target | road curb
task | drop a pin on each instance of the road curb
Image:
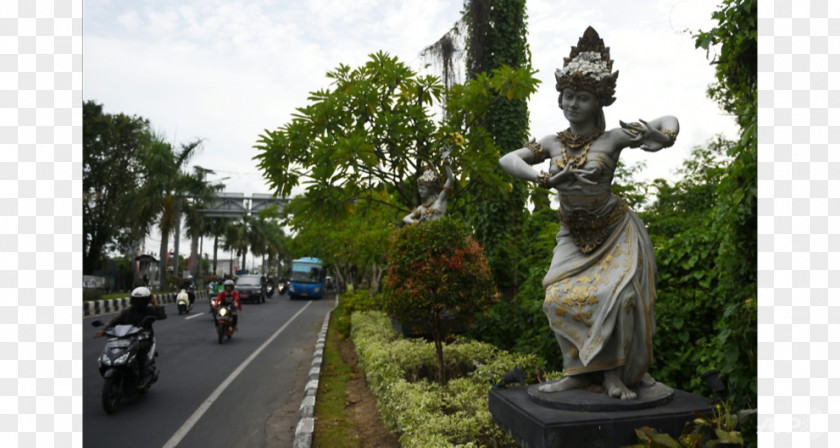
(97, 307)
(306, 424)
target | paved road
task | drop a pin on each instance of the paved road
(190, 406)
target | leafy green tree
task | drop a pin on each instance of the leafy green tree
(369, 137)
(496, 38)
(735, 221)
(354, 246)
(111, 173)
(687, 307)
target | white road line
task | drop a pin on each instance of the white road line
(185, 428)
(194, 315)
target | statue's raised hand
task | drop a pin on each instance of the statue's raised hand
(635, 131)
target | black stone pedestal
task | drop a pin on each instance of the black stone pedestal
(536, 425)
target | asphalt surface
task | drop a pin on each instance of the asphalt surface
(206, 395)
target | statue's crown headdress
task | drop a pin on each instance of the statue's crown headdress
(588, 67)
(429, 178)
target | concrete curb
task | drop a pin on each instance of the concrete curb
(97, 307)
(306, 424)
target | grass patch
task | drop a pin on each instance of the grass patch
(333, 426)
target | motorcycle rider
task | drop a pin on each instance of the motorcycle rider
(139, 308)
(188, 286)
(226, 296)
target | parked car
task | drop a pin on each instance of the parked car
(251, 289)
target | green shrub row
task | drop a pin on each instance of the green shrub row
(401, 374)
(348, 303)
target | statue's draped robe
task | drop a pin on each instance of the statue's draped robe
(600, 304)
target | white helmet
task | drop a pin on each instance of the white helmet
(140, 296)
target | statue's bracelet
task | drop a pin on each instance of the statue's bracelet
(543, 179)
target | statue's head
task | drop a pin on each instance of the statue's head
(588, 68)
(428, 183)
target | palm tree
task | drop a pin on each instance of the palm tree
(216, 228)
(258, 235)
(200, 193)
(165, 183)
(276, 249)
(236, 240)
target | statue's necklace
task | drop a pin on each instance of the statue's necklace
(573, 142)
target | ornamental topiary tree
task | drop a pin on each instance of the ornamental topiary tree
(436, 268)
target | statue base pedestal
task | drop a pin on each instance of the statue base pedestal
(582, 418)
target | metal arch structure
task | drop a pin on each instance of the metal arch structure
(237, 205)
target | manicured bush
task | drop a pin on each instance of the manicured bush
(436, 268)
(422, 412)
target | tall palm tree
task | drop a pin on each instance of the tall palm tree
(216, 228)
(200, 192)
(165, 182)
(236, 240)
(258, 235)
(276, 247)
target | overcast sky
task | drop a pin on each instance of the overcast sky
(226, 70)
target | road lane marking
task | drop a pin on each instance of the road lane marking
(194, 315)
(187, 426)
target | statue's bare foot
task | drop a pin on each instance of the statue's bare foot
(565, 383)
(615, 387)
(648, 380)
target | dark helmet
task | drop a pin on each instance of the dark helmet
(140, 297)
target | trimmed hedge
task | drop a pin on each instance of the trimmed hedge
(401, 374)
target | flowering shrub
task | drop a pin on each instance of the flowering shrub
(436, 268)
(424, 413)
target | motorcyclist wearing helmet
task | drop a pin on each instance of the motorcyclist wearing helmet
(139, 308)
(188, 286)
(227, 296)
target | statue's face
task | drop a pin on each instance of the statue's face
(424, 191)
(578, 105)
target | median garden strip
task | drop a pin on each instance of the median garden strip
(401, 373)
(346, 414)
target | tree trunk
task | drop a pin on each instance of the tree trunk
(436, 332)
(176, 262)
(215, 253)
(164, 248)
(195, 257)
(376, 278)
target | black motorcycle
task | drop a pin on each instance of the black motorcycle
(224, 322)
(119, 365)
(283, 287)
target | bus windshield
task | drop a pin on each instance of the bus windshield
(306, 273)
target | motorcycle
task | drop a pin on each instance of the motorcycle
(283, 287)
(224, 322)
(183, 301)
(118, 363)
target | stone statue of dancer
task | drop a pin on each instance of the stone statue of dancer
(434, 196)
(600, 288)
